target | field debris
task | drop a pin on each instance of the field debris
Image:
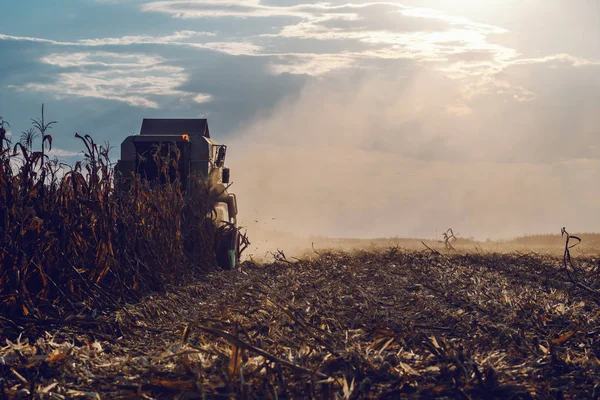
(386, 324)
(448, 238)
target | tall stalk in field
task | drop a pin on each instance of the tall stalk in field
(42, 126)
(3, 138)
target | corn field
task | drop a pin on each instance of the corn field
(70, 241)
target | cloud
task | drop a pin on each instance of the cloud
(458, 47)
(202, 98)
(360, 34)
(310, 64)
(56, 152)
(176, 37)
(101, 59)
(180, 38)
(231, 48)
(353, 37)
(233, 8)
(137, 79)
(357, 35)
(31, 39)
(556, 59)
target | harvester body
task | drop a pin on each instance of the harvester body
(199, 156)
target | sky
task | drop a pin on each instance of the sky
(343, 118)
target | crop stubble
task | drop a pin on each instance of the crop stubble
(356, 325)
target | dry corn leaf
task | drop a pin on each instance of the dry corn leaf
(234, 361)
(175, 385)
(408, 369)
(48, 388)
(563, 338)
(56, 355)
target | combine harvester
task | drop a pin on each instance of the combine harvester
(200, 156)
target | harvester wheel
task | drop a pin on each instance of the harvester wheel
(227, 239)
(227, 249)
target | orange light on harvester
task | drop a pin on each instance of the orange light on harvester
(186, 137)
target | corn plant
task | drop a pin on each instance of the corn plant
(69, 238)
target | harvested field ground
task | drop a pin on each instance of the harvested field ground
(383, 324)
(264, 242)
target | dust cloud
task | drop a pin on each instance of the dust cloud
(407, 157)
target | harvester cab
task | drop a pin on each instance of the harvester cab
(200, 156)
